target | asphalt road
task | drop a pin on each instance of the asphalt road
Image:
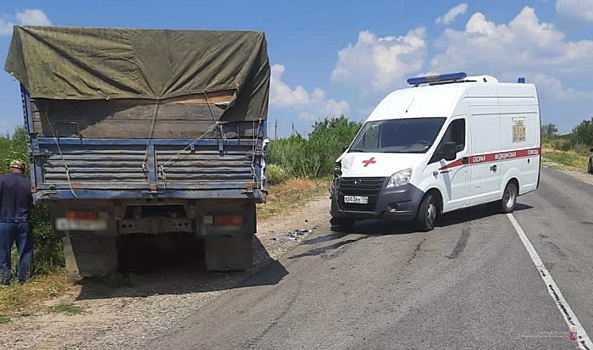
(469, 284)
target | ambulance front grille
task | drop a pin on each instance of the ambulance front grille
(364, 186)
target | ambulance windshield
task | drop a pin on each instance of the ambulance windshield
(412, 135)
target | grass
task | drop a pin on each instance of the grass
(292, 194)
(564, 160)
(32, 297)
(66, 307)
(58, 290)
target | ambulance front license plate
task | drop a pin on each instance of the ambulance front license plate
(356, 199)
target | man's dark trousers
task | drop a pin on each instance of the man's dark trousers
(20, 233)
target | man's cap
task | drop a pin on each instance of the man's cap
(18, 164)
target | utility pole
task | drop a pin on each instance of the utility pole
(276, 129)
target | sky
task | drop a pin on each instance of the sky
(335, 57)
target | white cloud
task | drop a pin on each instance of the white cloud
(452, 14)
(523, 46)
(5, 27)
(380, 63)
(28, 17)
(582, 9)
(554, 88)
(309, 106)
(32, 17)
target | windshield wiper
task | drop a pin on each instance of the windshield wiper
(357, 150)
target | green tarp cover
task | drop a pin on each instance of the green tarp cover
(67, 63)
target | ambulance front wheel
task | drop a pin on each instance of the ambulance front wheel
(341, 224)
(427, 213)
(509, 198)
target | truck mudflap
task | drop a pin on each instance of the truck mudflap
(228, 238)
(229, 252)
(90, 256)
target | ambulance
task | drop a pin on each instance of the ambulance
(445, 143)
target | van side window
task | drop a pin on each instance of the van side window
(458, 133)
(454, 133)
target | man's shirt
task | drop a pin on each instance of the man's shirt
(15, 198)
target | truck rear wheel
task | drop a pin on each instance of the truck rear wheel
(427, 213)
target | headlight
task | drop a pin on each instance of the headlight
(400, 178)
(337, 169)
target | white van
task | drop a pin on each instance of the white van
(448, 142)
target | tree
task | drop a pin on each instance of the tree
(549, 130)
(339, 128)
(583, 133)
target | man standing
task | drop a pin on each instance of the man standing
(15, 223)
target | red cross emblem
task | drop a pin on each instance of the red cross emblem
(369, 161)
(573, 334)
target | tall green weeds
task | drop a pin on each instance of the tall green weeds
(314, 156)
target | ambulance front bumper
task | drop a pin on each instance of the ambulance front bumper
(395, 203)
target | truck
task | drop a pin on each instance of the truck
(445, 143)
(145, 132)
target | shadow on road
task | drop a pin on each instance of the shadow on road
(156, 272)
(474, 213)
(372, 228)
(327, 248)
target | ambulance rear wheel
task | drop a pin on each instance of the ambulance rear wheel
(509, 198)
(427, 213)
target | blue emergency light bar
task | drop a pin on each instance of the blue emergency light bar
(443, 78)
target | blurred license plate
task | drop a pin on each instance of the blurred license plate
(66, 224)
(356, 199)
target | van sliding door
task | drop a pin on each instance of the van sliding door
(485, 135)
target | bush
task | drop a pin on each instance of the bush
(276, 174)
(49, 254)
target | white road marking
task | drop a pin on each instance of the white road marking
(571, 319)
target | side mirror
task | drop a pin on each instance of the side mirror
(591, 150)
(344, 148)
(449, 151)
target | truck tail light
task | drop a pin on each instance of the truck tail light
(87, 215)
(228, 219)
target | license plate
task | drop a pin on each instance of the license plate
(356, 199)
(66, 224)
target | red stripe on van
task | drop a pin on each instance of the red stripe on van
(495, 157)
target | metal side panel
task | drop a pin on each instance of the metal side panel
(93, 169)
